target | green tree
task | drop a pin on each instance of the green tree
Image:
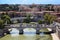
(6, 19)
(28, 19)
(1, 24)
(49, 7)
(49, 18)
(40, 21)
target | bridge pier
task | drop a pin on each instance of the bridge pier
(53, 30)
(38, 31)
(21, 31)
(6, 31)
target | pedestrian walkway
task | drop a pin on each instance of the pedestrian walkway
(54, 36)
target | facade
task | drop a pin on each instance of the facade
(36, 10)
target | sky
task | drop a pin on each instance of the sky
(29, 1)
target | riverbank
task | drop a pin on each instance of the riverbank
(54, 36)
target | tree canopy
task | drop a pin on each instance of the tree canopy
(49, 18)
(6, 18)
(1, 24)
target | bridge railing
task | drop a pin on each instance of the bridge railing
(32, 25)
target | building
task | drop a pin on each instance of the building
(36, 10)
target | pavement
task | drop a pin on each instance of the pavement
(54, 36)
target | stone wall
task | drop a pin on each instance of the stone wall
(1, 33)
(59, 34)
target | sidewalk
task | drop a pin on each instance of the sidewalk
(54, 36)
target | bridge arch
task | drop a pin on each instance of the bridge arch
(36, 27)
(29, 31)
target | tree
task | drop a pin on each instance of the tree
(40, 21)
(28, 19)
(49, 7)
(40, 7)
(52, 8)
(1, 24)
(49, 18)
(6, 19)
(58, 9)
(18, 21)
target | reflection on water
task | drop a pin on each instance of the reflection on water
(23, 37)
(14, 32)
(41, 34)
(29, 34)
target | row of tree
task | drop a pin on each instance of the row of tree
(48, 19)
(6, 7)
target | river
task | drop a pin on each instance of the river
(29, 34)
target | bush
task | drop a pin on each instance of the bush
(40, 22)
(26, 21)
(18, 20)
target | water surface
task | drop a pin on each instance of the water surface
(29, 34)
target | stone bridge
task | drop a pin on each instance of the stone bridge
(37, 27)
